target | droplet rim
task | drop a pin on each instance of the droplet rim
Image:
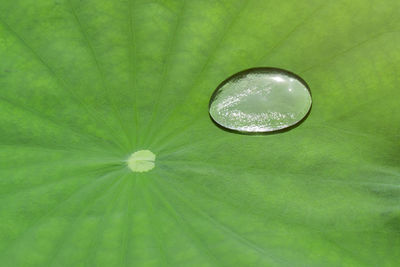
(261, 69)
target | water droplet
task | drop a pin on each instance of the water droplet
(260, 100)
(141, 161)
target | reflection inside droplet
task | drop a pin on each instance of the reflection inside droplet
(260, 100)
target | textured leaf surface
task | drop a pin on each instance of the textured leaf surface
(86, 83)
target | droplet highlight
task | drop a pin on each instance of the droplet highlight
(141, 161)
(260, 100)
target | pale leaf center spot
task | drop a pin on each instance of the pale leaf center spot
(141, 161)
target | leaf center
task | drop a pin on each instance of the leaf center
(141, 161)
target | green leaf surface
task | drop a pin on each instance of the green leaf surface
(85, 83)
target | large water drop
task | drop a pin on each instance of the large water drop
(260, 100)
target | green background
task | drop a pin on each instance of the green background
(83, 84)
